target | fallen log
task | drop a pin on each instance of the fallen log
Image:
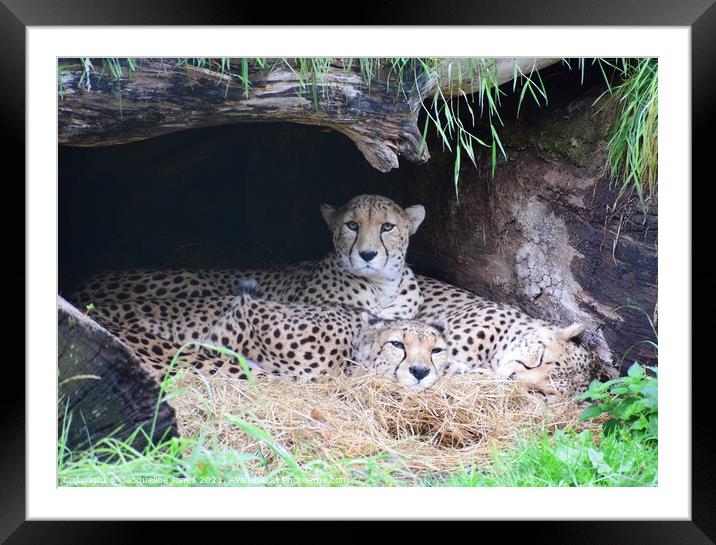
(159, 96)
(102, 388)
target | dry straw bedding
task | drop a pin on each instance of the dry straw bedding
(458, 422)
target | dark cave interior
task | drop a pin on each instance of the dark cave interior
(243, 194)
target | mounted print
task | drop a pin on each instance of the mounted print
(330, 271)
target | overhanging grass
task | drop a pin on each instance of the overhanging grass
(633, 141)
(632, 144)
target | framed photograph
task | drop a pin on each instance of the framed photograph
(380, 272)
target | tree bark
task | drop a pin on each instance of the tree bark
(545, 235)
(159, 97)
(102, 387)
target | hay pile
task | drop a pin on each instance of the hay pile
(457, 422)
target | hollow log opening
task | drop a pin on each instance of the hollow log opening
(542, 234)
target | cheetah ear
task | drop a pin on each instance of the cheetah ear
(372, 320)
(328, 211)
(416, 215)
(571, 331)
(440, 324)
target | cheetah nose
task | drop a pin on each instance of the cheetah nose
(419, 371)
(367, 256)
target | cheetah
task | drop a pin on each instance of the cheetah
(482, 334)
(366, 270)
(284, 339)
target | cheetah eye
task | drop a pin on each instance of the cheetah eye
(398, 344)
(523, 364)
(437, 350)
(353, 226)
(387, 227)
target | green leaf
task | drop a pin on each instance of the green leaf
(651, 396)
(598, 462)
(640, 424)
(171, 395)
(494, 158)
(635, 370)
(260, 435)
(245, 76)
(496, 138)
(619, 390)
(595, 387)
(594, 396)
(458, 154)
(568, 455)
(590, 412)
(627, 408)
(610, 426)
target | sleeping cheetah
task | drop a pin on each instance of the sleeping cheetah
(482, 334)
(288, 339)
(367, 269)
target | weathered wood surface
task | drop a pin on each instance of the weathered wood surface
(159, 97)
(102, 386)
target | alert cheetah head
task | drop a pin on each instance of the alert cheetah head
(370, 235)
(549, 360)
(412, 352)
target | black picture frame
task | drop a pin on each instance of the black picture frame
(16, 15)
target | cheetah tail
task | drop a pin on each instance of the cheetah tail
(248, 287)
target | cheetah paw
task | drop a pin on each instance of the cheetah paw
(457, 369)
